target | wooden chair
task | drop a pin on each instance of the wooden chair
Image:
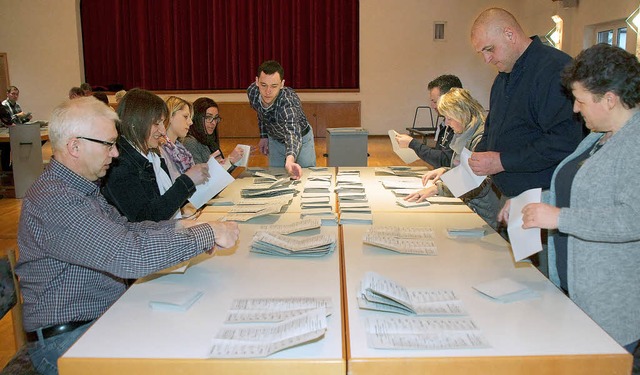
(10, 300)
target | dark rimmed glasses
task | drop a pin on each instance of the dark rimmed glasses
(109, 145)
(210, 119)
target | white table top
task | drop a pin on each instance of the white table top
(130, 329)
(550, 325)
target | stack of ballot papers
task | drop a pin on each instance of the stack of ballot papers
(247, 212)
(254, 191)
(260, 340)
(410, 204)
(416, 333)
(404, 240)
(287, 246)
(401, 171)
(298, 226)
(381, 294)
(270, 310)
(413, 183)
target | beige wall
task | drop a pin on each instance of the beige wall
(397, 54)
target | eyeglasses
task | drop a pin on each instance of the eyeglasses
(210, 119)
(110, 145)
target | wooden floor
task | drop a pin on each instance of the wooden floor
(380, 154)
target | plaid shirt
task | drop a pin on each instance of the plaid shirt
(75, 249)
(283, 120)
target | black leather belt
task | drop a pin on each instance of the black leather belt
(55, 330)
(306, 131)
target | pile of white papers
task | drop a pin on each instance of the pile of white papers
(423, 333)
(250, 341)
(270, 310)
(251, 213)
(379, 293)
(407, 204)
(298, 226)
(400, 171)
(281, 245)
(405, 240)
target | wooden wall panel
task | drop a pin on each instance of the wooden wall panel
(240, 120)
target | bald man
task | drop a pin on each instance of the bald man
(531, 126)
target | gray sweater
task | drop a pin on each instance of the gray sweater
(603, 270)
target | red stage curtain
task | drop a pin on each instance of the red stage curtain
(218, 44)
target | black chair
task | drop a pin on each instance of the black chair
(425, 122)
(20, 364)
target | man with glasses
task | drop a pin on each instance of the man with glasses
(441, 154)
(75, 248)
(285, 134)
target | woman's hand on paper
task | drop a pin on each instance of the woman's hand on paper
(422, 194)
(540, 215)
(199, 173)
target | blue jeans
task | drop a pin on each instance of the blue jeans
(45, 353)
(306, 157)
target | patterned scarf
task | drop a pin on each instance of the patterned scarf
(179, 155)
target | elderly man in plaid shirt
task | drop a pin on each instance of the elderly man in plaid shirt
(75, 248)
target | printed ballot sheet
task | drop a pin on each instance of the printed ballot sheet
(423, 333)
(524, 242)
(382, 294)
(259, 340)
(417, 241)
(269, 310)
(218, 180)
(281, 245)
(406, 154)
(461, 179)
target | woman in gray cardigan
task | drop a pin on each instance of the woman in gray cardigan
(594, 203)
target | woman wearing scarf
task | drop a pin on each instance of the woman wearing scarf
(138, 183)
(466, 117)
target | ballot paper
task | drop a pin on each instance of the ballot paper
(381, 294)
(466, 232)
(246, 149)
(461, 179)
(175, 300)
(506, 290)
(403, 232)
(402, 183)
(219, 178)
(246, 216)
(524, 242)
(414, 246)
(287, 246)
(268, 310)
(423, 333)
(406, 240)
(297, 226)
(406, 154)
(252, 340)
